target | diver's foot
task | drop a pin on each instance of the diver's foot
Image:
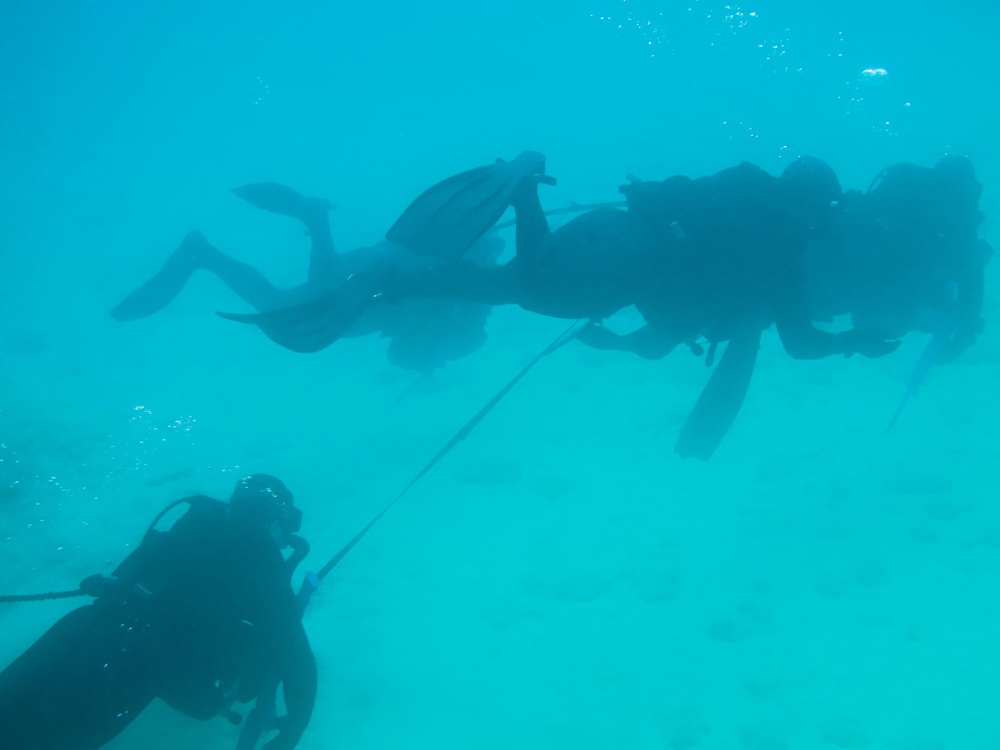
(193, 253)
(526, 190)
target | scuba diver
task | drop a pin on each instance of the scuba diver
(906, 255)
(201, 616)
(423, 334)
(716, 259)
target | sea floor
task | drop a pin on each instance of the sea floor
(560, 578)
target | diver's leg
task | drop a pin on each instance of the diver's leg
(167, 283)
(313, 212)
(323, 266)
(78, 685)
(196, 253)
(532, 228)
(244, 280)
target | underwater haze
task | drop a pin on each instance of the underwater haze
(561, 579)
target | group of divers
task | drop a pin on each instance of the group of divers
(203, 615)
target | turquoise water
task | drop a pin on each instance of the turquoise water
(561, 579)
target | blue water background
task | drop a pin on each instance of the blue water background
(561, 579)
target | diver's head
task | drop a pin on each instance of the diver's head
(959, 173)
(263, 500)
(811, 182)
(959, 188)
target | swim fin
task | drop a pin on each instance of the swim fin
(720, 400)
(282, 200)
(314, 325)
(449, 217)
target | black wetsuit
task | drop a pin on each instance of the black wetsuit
(734, 243)
(716, 257)
(907, 255)
(424, 334)
(200, 616)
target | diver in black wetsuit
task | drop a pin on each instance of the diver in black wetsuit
(716, 260)
(201, 616)
(707, 258)
(896, 259)
(423, 334)
(719, 257)
(740, 250)
(906, 255)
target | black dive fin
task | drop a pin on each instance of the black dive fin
(304, 328)
(168, 282)
(720, 400)
(449, 217)
(280, 199)
(316, 324)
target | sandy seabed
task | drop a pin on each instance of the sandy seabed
(561, 578)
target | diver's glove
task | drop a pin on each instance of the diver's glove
(867, 344)
(99, 586)
(111, 587)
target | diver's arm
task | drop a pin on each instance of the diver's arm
(801, 340)
(799, 337)
(299, 681)
(969, 322)
(647, 342)
(532, 227)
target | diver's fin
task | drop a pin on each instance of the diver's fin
(304, 328)
(720, 400)
(316, 324)
(280, 199)
(168, 282)
(450, 216)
